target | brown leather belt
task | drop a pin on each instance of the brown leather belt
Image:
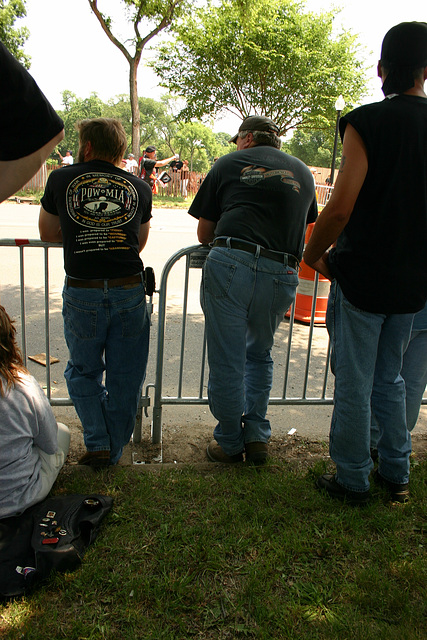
(240, 245)
(99, 284)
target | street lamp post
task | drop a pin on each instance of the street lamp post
(339, 106)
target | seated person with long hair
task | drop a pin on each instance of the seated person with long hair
(33, 446)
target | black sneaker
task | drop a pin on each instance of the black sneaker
(398, 492)
(328, 483)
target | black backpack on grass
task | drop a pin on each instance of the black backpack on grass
(53, 534)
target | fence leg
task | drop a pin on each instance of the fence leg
(156, 425)
(137, 429)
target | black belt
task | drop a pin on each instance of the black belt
(99, 284)
(240, 245)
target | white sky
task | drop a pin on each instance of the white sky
(69, 50)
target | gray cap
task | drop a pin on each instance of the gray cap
(257, 123)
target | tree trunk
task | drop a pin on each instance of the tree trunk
(134, 105)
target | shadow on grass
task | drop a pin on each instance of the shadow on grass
(236, 553)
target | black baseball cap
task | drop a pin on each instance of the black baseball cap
(404, 49)
(257, 123)
(150, 149)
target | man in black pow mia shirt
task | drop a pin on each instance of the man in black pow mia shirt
(101, 214)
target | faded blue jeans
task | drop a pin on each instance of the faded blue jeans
(106, 330)
(367, 353)
(244, 299)
(414, 373)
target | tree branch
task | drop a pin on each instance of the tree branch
(94, 6)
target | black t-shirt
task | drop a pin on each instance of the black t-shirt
(27, 120)
(147, 168)
(101, 209)
(380, 257)
(261, 195)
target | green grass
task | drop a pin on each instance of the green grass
(29, 194)
(172, 202)
(237, 553)
(159, 202)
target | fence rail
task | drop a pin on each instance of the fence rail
(194, 258)
(303, 360)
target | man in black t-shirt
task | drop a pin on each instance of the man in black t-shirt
(377, 215)
(29, 127)
(253, 208)
(148, 164)
(101, 214)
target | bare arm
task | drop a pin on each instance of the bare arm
(143, 234)
(49, 227)
(15, 173)
(205, 231)
(163, 163)
(338, 210)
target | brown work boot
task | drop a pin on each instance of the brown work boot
(256, 453)
(216, 454)
(95, 459)
(398, 492)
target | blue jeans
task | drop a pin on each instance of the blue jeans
(244, 299)
(414, 373)
(106, 330)
(367, 352)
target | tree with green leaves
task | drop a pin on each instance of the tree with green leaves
(76, 109)
(153, 115)
(158, 15)
(14, 38)
(312, 147)
(269, 58)
(196, 142)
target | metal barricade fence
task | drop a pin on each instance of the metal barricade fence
(6, 300)
(302, 356)
(194, 258)
(324, 192)
(21, 245)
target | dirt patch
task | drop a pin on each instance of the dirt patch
(187, 445)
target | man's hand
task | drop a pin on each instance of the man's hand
(322, 266)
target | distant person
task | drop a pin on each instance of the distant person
(67, 160)
(148, 164)
(29, 127)
(131, 164)
(185, 176)
(176, 164)
(102, 215)
(33, 446)
(377, 216)
(253, 208)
